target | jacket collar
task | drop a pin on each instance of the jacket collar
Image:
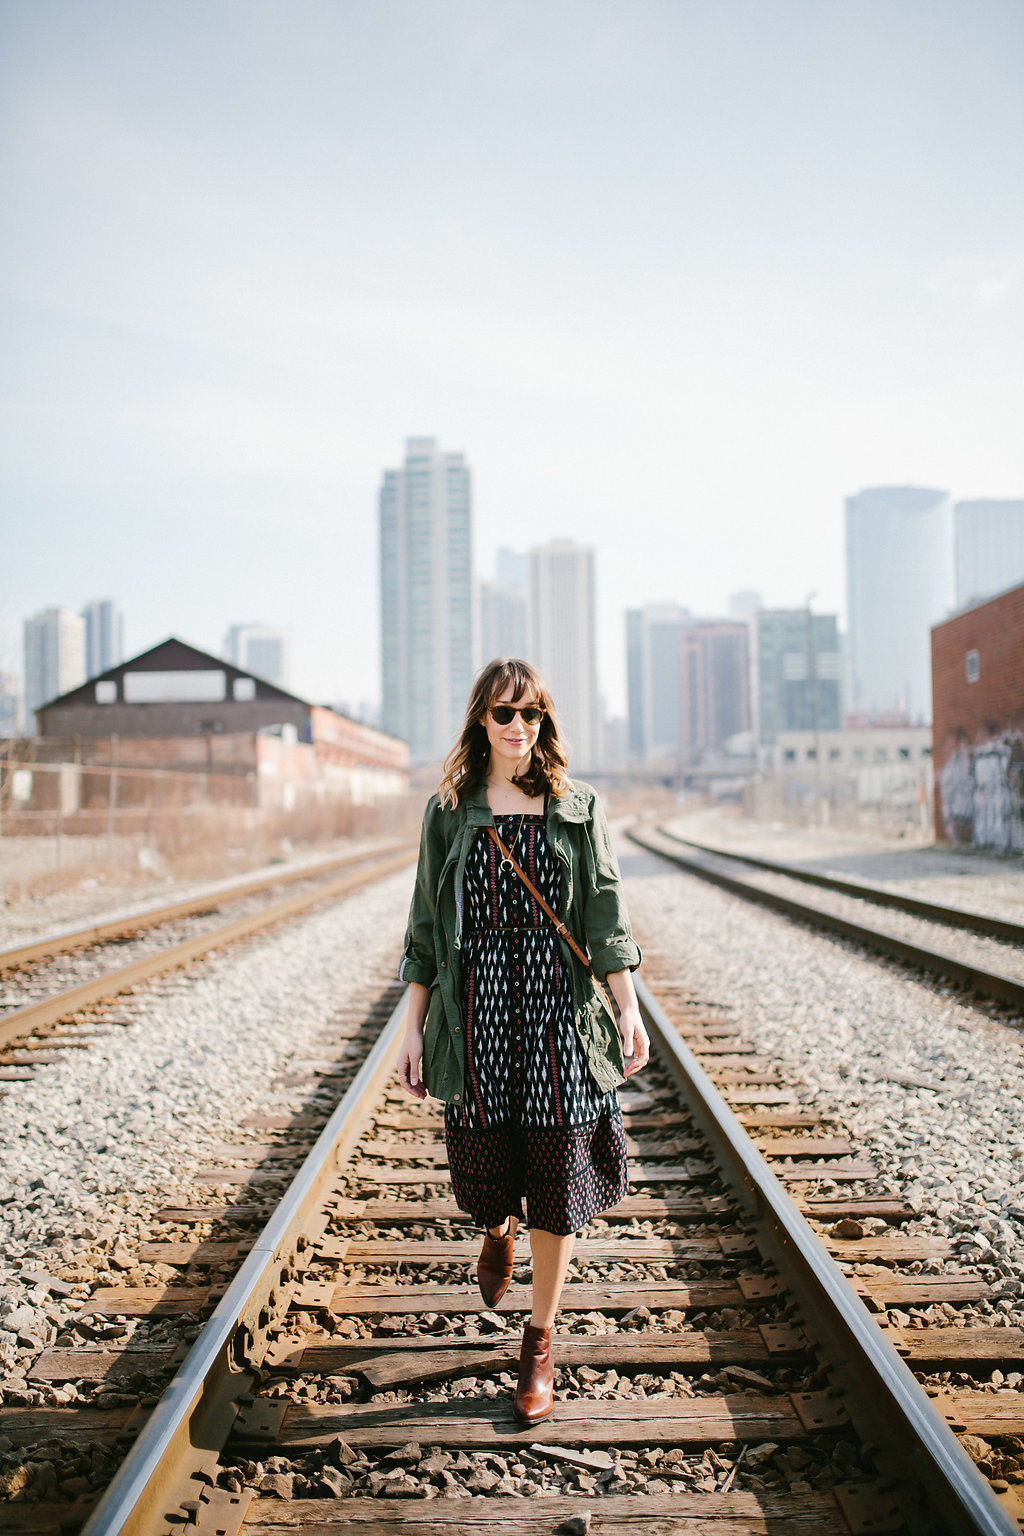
(478, 812)
(574, 805)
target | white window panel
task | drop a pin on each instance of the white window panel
(174, 687)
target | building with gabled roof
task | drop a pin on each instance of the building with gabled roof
(173, 689)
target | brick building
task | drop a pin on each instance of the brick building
(978, 730)
(180, 710)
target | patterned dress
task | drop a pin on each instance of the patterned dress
(532, 1124)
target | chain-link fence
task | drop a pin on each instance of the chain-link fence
(66, 821)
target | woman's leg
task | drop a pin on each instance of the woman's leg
(551, 1255)
(509, 1226)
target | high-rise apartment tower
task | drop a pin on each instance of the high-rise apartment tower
(426, 598)
(797, 672)
(715, 692)
(104, 636)
(54, 658)
(258, 648)
(563, 642)
(654, 637)
(989, 548)
(899, 582)
(503, 622)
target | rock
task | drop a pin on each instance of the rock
(21, 1320)
(760, 1455)
(345, 1386)
(482, 1481)
(408, 1455)
(976, 1448)
(280, 1484)
(337, 1484)
(44, 1479)
(344, 1455)
(576, 1525)
(14, 1480)
(745, 1378)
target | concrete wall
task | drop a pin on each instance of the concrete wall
(978, 691)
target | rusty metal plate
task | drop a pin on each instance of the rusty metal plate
(869, 1510)
(819, 1410)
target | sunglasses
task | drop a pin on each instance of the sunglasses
(504, 714)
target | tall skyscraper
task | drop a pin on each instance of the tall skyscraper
(426, 591)
(798, 668)
(989, 548)
(563, 642)
(654, 636)
(104, 636)
(715, 698)
(54, 658)
(503, 621)
(635, 684)
(258, 648)
(899, 582)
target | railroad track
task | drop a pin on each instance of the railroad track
(56, 979)
(990, 963)
(716, 1371)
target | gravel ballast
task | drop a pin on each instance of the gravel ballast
(928, 1085)
(976, 879)
(100, 1138)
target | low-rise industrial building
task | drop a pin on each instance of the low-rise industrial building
(180, 712)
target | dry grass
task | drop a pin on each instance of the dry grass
(197, 842)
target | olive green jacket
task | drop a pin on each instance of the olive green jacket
(590, 905)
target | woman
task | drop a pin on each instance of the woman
(504, 1023)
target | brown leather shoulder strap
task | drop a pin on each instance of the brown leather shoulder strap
(559, 925)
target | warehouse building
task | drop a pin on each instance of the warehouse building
(179, 709)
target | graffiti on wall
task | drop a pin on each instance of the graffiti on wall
(983, 794)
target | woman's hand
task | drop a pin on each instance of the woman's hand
(410, 1063)
(636, 1046)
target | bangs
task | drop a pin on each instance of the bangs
(520, 678)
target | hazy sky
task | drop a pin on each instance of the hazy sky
(676, 275)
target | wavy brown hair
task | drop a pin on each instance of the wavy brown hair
(466, 764)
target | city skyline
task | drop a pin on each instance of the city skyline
(982, 537)
(689, 277)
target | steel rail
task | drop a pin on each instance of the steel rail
(991, 983)
(953, 917)
(938, 1487)
(33, 1016)
(173, 1461)
(152, 917)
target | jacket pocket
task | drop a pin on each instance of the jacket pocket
(602, 1044)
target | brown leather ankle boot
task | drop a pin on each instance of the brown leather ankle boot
(494, 1266)
(535, 1394)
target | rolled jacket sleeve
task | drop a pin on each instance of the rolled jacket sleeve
(419, 959)
(609, 938)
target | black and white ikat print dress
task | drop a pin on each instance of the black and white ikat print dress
(533, 1126)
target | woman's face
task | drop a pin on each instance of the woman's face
(511, 744)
